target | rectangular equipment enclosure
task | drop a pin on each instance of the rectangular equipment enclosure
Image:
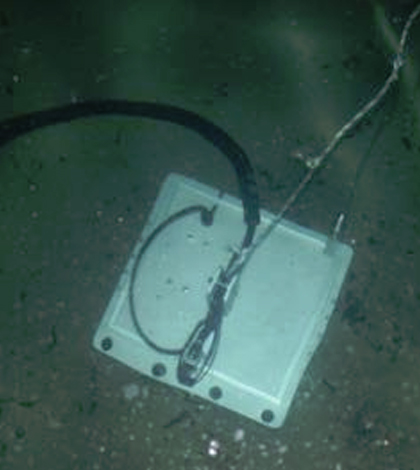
(284, 299)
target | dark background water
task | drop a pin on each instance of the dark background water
(281, 78)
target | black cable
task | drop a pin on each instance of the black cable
(206, 218)
(194, 361)
(16, 126)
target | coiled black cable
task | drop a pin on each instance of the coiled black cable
(134, 283)
(194, 361)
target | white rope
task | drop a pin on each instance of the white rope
(314, 163)
(397, 64)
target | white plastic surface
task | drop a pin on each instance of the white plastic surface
(286, 295)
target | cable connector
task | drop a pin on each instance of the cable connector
(398, 62)
(225, 286)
